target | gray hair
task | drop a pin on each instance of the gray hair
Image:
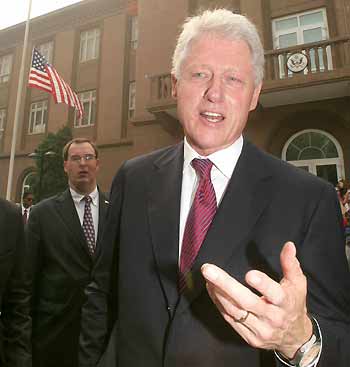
(226, 24)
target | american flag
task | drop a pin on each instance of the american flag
(43, 76)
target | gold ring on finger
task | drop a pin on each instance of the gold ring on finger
(244, 317)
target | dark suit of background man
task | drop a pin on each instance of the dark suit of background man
(62, 233)
(27, 203)
(15, 321)
(265, 296)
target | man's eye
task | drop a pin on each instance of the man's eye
(199, 75)
(233, 79)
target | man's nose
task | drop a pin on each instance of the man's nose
(215, 90)
(82, 161)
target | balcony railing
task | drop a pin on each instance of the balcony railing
(323, 56)
(326, 61)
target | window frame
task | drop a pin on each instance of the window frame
(312, 164)
(5, 67)
(3, 116)
(47, 54)
(86, 36)
(134, 32)
(34, 129)
(299, 29)
(88, 111)
(132, 99)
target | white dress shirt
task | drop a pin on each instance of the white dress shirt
(27, 209)
(79, 203)
(224, 162)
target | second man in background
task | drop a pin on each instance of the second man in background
(62, 235)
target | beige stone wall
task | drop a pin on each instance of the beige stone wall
(159, 21)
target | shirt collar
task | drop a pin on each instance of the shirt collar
(225, 160)
(77, 198)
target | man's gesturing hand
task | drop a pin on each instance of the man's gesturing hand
(278, 318)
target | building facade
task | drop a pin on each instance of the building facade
(116, 55)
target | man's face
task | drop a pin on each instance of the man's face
(215, 92)
(28, 201)
(81, 170)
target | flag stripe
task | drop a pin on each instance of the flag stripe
(55, 85)
(39, 86)
(63, 94)
(40, 81)
(68, 92)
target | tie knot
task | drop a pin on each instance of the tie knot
(202, 167)
(87, 199)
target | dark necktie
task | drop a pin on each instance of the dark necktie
(25, 216)
(198, 221)
(88, 225)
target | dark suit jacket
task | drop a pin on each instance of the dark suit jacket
(61, 268)
(267, 202)
(15, 321)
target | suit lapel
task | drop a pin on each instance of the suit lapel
(164, 212)
(246, 196)
(66, 209)
(102, 211)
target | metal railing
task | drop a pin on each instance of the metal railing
(323, 56)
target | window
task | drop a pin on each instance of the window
(132, 99)
(88, 100)
(5, 68)
(311, 145)
(303, 28)
(38, 117)
(134, 32)
(28, 183)
(317, 152)
(2, 121)
(46, 49)
(89, 44)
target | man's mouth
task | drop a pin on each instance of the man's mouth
(212, 116)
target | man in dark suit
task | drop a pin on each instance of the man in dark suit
(217, 199)
(62, 234)
(27, 203)
(15, 321)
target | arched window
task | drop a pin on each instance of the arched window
(27, 183)
(317, 152)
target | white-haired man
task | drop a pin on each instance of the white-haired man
(217, 199)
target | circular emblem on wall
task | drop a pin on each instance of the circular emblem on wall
(297, 62)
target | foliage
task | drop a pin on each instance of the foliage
(50, 166)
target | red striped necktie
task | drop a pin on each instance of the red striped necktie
(198, 221)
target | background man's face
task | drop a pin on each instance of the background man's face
(28, 201)
(81, 173)
(215, 92)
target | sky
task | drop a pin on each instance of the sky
(16, 11)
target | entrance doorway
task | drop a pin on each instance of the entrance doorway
(316, 152)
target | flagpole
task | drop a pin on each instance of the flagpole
(18, 105)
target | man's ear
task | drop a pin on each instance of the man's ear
(64, 166)
(173, 86)
(255, 97)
